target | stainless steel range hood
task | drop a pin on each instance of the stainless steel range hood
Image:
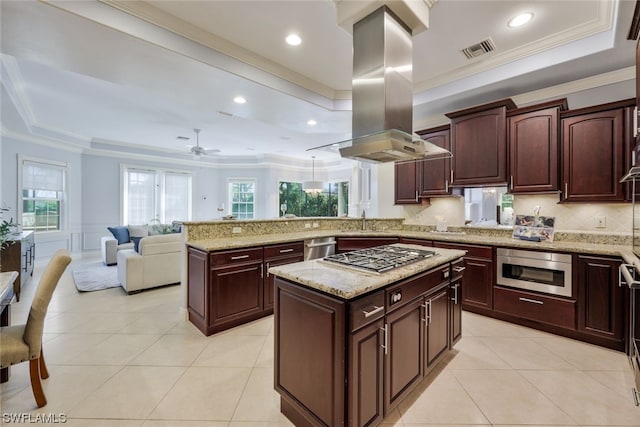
(382, 93)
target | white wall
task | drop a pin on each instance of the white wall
(46, 242)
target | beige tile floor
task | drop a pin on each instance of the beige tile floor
(119, 360)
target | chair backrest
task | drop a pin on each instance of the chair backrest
(48, 282)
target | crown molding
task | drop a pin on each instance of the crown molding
(12, 81)
(34, 139)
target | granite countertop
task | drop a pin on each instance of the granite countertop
(466, 238)
(349, 284)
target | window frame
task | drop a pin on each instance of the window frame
(328, 182)
(64, 198)
(230, 182)
(159, 174)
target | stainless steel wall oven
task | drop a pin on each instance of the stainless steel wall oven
(545, 272)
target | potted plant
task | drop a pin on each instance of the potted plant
(7, 228)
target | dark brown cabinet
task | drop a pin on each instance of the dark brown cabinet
(415, 180)
(388, 339)
(346, 244)
(533, 136)
(601, 302)
(275, 255)
(547, 309)
(436, 325)
(236, 287)
(231, 287)
(479, 277)
(407, 177)
(19, 256)
(593, 153)
(455, 294)
(479, 145)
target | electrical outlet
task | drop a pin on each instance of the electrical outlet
(236, 230)
(307, 225)
(601, 221)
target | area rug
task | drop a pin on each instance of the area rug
(95, 277)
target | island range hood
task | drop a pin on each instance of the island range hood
(382, 93)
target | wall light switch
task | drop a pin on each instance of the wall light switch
(601, 221)
(316, 225)
(236, 230)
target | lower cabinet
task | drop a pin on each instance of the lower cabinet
(381, 345)
(601, 302)
(477, 291)
(346, 244)
(231, 287)
(19, 255)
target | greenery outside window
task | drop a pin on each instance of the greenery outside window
(43, 194)
(332, 201)
(242, 199)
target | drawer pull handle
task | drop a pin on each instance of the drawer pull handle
(635, 396)
(240, 257)
(375, 310)
(534, 301)
(459, 269)
(284, 251)
(384, 338)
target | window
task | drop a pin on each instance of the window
(332, 201)
(242, 199)
(43, 195)
(155, 195)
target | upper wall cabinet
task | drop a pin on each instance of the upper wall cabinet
(427, 178)
(479, 145)
(534, 160)
(595, 151)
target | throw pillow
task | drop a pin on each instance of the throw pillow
(138, 231)
(136, 243)
(120, 233)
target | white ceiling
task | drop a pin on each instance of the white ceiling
(135, 75)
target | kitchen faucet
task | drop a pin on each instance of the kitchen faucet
(364, 217)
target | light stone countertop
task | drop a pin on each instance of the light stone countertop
(583, 247)
(348, 284)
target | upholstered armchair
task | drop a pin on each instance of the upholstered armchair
(24, 342)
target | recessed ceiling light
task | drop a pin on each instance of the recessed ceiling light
(239, 100)
(312, 122)
(293, 39)
(521, 19)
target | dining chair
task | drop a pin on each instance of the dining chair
(20, 343)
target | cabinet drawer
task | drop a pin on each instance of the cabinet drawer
(285, 249)
(235, 256)
(457, 269)
(366, 310)
(545, 309)
(472, 250)
(409, 289)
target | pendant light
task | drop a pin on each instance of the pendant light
(313, 186)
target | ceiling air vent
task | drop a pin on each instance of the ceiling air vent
(485, 46)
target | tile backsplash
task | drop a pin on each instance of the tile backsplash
(569, 216)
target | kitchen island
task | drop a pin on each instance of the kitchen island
(349, 346)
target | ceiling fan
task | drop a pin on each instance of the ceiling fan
(197, 150)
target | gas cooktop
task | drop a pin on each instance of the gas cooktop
(379, 259)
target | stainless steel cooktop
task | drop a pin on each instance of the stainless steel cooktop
(379, 259)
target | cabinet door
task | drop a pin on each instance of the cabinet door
(404, 352)
(406, 183)
(455, 294)
(434, 175)
(479, 147)
(437, 326)
(593, 157)
(601, 301)
(366, 370)
(533, 148)
(477, 289)
(269, 278)
(197, 289)
(236, 293)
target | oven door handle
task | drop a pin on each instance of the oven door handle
(623, 272)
